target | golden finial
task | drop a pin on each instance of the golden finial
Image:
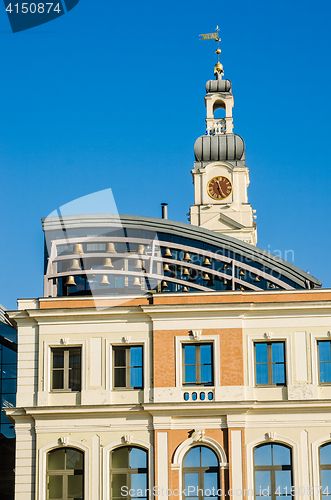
(218, 68)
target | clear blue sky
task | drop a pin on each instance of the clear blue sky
(111, 95)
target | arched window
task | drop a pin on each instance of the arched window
(201, 473)
(65, 474)
(325, 470)
(272, 472)
(128, 471)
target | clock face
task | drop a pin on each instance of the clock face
(219, 188)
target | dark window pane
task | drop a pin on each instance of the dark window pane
(277, 349)
(58, 358)
(192, 458)
(261, 353)
(325, 454)
(120, 458)
(208, 457)
(117, 481)
(74, 370)
(137, 458)
(9, 371)
(9, 385)
(74, 459)
(8, 430)
(136, 354)
(190, 375)
(261, 374)
(205, 354)
(8, 356)
(278, 373)
(324, 351)
(75, 487)
(281, 455)
(206, 374)
(136, 375)
(56, 460)
(8, 400)
(57, 379)
(120, 356)
(262, 455)
(120, 377)
(189, 354)
(54, 487)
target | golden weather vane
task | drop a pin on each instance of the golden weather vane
(214, 36)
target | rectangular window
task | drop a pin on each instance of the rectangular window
(128, 367)
(270, 363)
(324, 361)
(198, 364)
(66, 369)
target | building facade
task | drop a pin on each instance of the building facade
(174, 360)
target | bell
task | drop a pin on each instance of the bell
(167, 253)
(78, 248)
(141, 249)
(241, 273)
(139, 265)
(187, 257)
(70, 281)
(185, 289)
(242, 288)
(110, 248)
(206, 277)
(225, 267)
(107, 263)
(164, 284)
(75, 265)
(225, 282)
(186, 272)
(166, 268)
(256, 279)
(271, 285)
(206, 262)
(104, 281)
(136, 282)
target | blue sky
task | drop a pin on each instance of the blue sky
(111, 95)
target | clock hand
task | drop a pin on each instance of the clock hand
(219, 187)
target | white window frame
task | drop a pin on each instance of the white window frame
(110, 343)
(42, 469)
(315, 446)
(47, 348)
(204, 339)
(275, 337)
(314, 338)
(106, 463)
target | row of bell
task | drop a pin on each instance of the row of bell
(110, 248)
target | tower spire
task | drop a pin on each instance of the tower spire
(218, 68)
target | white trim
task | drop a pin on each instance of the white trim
(109, 360)
(42, 466)
(96, 467)
(315, 445)
(314, 337)
(276, 337)
(106, 463)
(236, 463)
(47, 346)
(187, 339)
(279, 440)
(185, 446)
(162, 462)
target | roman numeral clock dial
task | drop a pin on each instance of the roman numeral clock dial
(219, 188)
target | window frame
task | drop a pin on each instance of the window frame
(269, 343)
(66, 472)
(273, 468)
(66, 368)
(319, 362)
(322, 467)
(201, 471)
(197, 365)
(128, 366)
(127, 471)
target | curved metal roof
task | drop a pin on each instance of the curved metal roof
(232, 263)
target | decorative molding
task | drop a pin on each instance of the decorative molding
(270, 436)
(127, 439)
(328, 334)
(126, 340)
(63, 441)
(64, 341)
(196, 334)
(267, 335)
(198, 436)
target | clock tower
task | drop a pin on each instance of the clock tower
(220, 175)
